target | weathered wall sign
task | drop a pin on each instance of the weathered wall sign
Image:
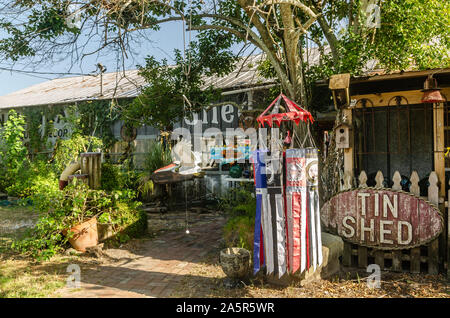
(381, 218)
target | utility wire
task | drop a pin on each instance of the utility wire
(42, 73)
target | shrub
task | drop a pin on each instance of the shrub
(35, 177)
(126, 223)
(158, 156)
(12, 150)
(110, 177)
(61, 210)
(239, 232)
(240, 206)
(67, 150)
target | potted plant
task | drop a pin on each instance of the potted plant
(83, 235)
(82, 207)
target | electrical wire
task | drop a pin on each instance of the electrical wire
(42, 73)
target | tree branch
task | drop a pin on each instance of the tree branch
(295, 3)
(258, 42)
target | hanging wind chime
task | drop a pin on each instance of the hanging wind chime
(287, 225)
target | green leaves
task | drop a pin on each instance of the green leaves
(61, 210)
(67, 150)
(161, 103)
(12, 150)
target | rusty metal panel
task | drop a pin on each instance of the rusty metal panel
(382, 219)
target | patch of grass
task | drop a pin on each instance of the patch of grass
(12, 224)
(18, 213)
(20, 279)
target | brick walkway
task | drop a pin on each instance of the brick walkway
(156, 268)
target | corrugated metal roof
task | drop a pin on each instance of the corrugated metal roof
(129, 84)
(119, 85)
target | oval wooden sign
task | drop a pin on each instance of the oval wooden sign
(382, 219)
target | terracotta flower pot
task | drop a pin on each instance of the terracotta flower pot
(85, 235)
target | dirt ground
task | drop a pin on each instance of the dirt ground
(349, 283)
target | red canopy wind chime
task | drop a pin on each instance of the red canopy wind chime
(295, 113)
(287, 225)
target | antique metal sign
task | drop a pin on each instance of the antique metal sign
(381, 218)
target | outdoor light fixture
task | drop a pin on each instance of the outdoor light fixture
(431, 92)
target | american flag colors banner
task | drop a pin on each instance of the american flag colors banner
(287, 225)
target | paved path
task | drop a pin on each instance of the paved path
(156, 269)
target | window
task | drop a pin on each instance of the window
(394, 138)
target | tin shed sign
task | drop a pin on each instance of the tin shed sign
(382, 219)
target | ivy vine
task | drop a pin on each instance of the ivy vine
(88, 118)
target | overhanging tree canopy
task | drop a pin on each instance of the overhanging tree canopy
(411, 32)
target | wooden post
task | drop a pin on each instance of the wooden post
(362, 256)
(415, 252)
(379, 178)
(348, 181)
(397, 178)
(433, 247)
(397, 260)
(379, 258)
(448, 237)
(91, 165)
(348, 173)
(397, 254)
(439, 167)
(348, 153)
(362, 179)
(439, 160)
(347, 254)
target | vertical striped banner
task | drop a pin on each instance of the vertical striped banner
(287, 227)
(276, 211)
(259, 168)
(312, 181)
(296, 206)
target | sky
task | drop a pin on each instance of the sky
(168, 38)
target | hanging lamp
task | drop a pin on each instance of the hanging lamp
(431, 91)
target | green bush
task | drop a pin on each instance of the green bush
(12, 150)
(239, 232)
(157, 157)
(118, 176)
(110, 179)
(68, 150)
(61, 210)
(240, 207)
(35, 177)
(129, 223)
